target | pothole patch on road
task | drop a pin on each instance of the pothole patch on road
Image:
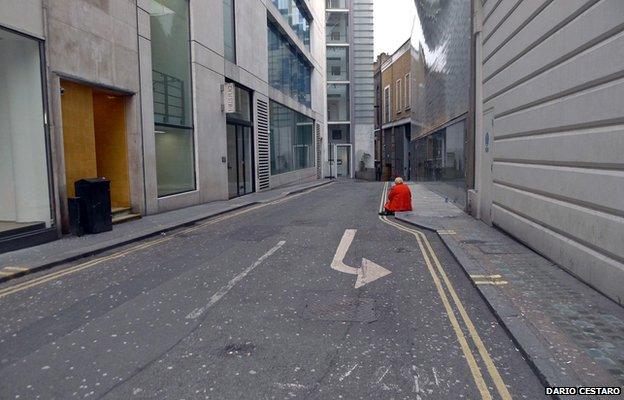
(336, 306)
(237, 350)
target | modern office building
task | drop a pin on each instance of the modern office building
(350, 92)
(176, 102)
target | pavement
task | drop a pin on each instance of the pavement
(25, 261)
(246, 305)
(571, 334)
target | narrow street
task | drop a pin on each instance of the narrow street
(246, 306)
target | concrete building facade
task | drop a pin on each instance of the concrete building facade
(176, 102)
(549, 136)
(350, 91)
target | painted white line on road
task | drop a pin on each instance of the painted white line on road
(225, 289)
(497, 283)
(20, 269)
(337, 263)
(486, 276)
(346, 374)
(367, 273)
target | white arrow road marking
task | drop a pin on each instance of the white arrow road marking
(196, 313)
(367, 273)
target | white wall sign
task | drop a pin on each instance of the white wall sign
(229, 98)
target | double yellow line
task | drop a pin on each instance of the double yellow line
(443, 286)
(89, 264)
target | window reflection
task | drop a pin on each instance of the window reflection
(292, 145)
(338, 102)
(24, 190)
(337, 63)
(288, 72)
(336, 4)
(171, 58)
(337, 27)
(229, 32)
(297, 18)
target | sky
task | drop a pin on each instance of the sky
(393, 24)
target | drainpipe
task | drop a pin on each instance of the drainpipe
(476, 100)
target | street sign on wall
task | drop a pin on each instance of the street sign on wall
(229, 98)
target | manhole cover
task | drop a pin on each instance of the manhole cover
(333, 307)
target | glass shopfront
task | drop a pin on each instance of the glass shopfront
(439, 160)
(292, 140)
(24, 175)
(173, 109)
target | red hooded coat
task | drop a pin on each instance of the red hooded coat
(399, 198)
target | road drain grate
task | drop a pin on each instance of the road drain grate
(330, 307)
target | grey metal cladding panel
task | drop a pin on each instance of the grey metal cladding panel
(446, 28)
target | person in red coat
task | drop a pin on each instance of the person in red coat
(399, 198)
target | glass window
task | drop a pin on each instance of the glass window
(342, 4)
(337, 27)
(398, 97)
(175, 167)
(229, 31)
(288, 72)
(243, 104)
(439, 157)
(292, 140)
(297, 18)
(386, 104)
(24, 190)
(337, 63)
(408, 91)
(171, 57)
(338, 102)
(339, 133)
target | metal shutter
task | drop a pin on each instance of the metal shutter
(263, 145)
(319, 168)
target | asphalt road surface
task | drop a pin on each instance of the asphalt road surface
(246, 306)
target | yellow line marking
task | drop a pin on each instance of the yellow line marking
(20, 269)
(493, 371)
(76, 268)
(491, 367)
(383, 197)
(461, 338)
(496, 377)
(486, 276)
(3, 273)
(491, 282)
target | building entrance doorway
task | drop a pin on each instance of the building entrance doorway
(94, 139)
(343, 160)
(240, 160)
